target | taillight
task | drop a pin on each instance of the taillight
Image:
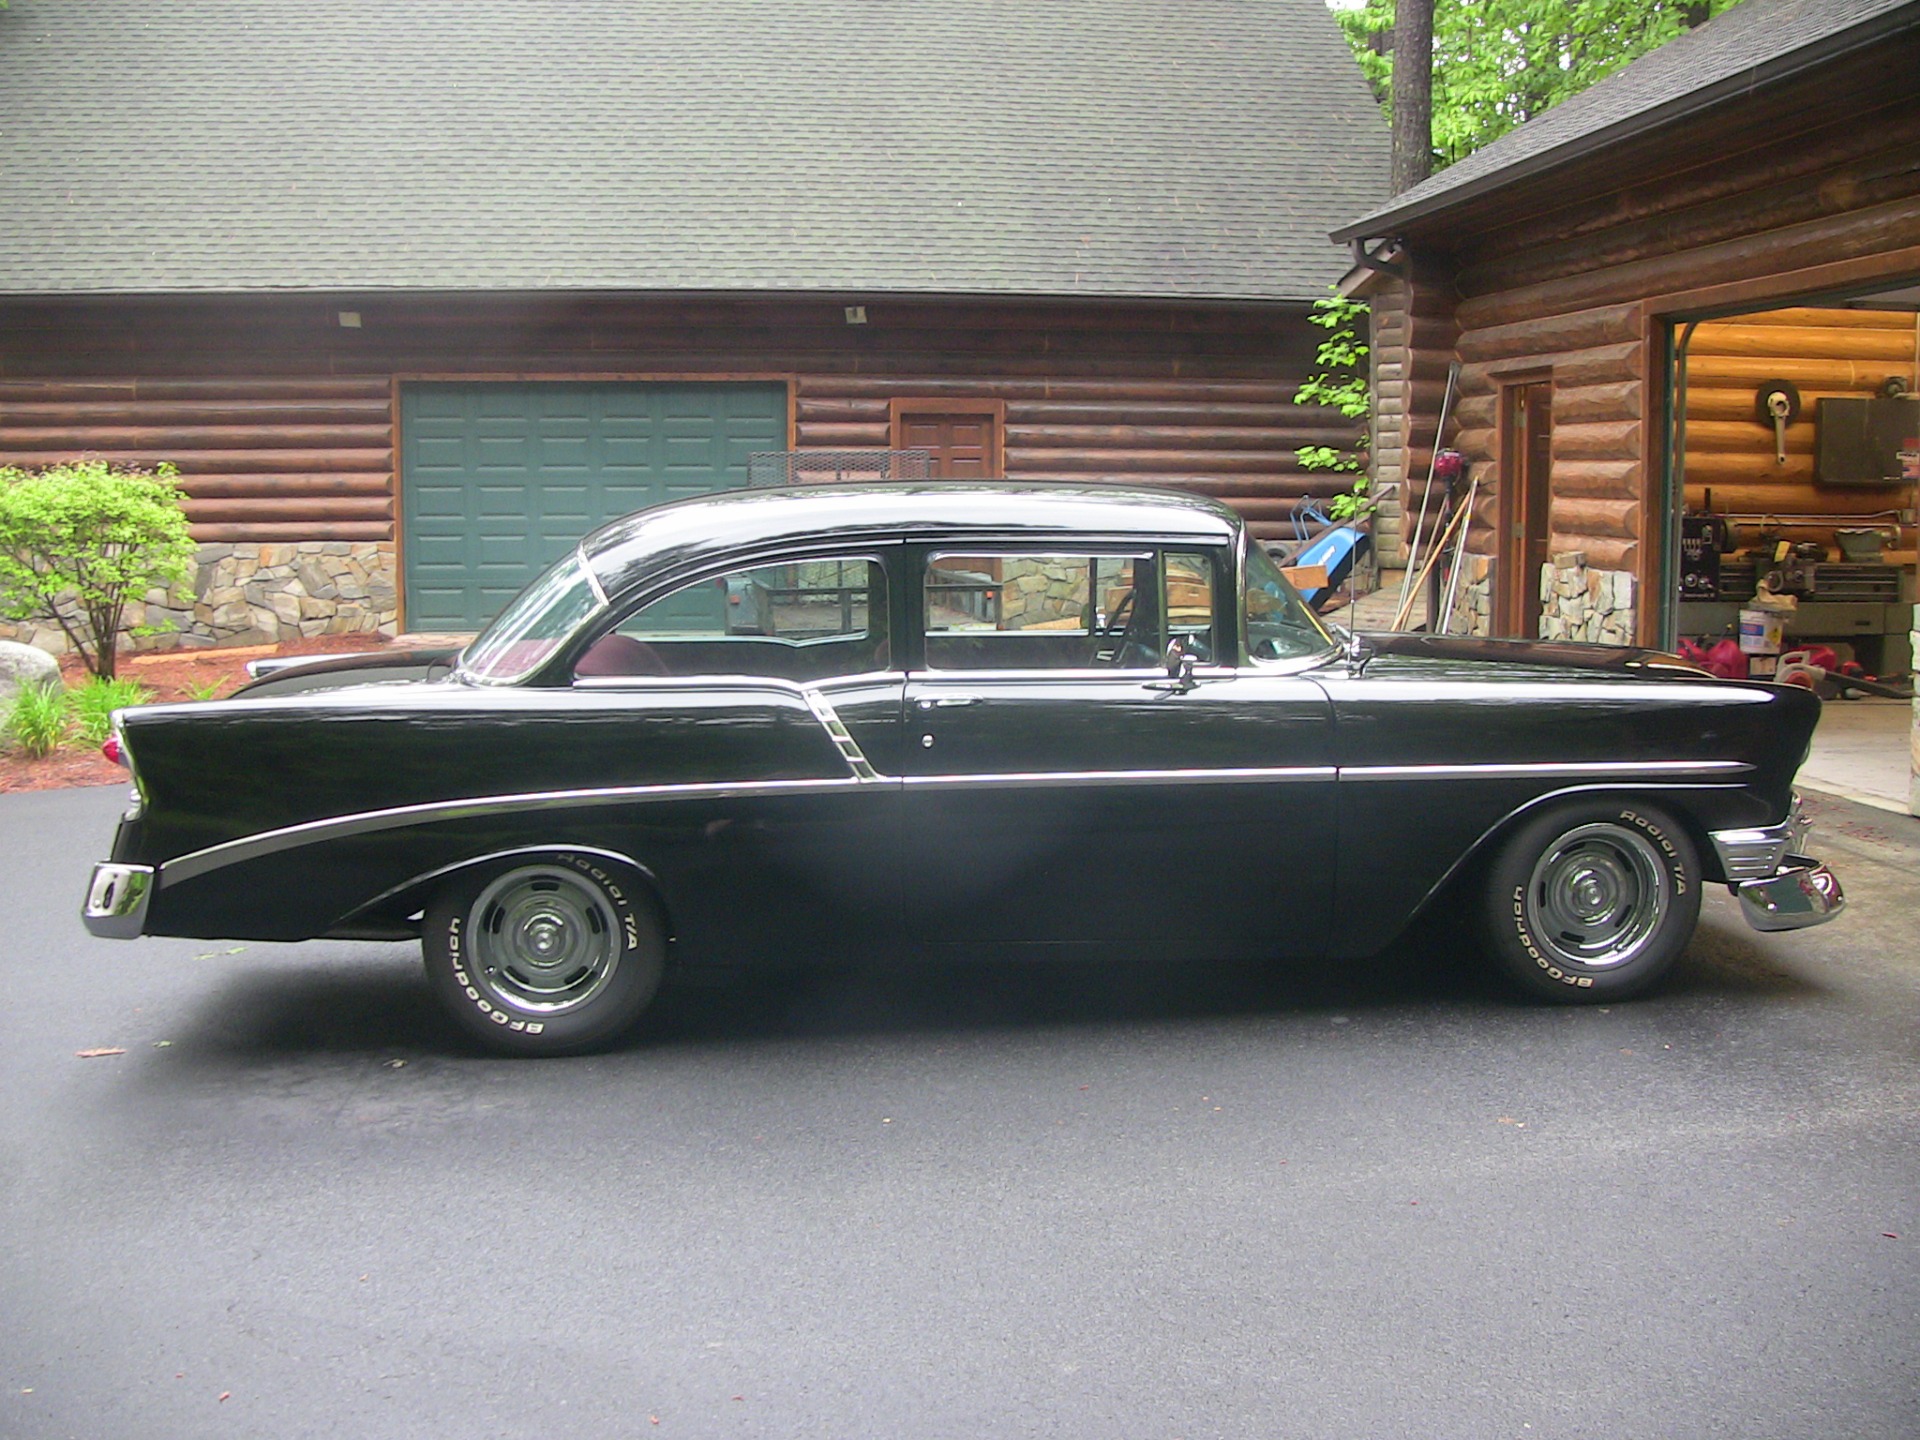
(111, 749)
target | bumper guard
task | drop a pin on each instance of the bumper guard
(117, 899)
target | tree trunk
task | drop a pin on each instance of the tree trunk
(1412, 93)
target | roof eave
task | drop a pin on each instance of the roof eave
(837, 294)
(1393, 221)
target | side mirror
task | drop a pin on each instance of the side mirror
(1179, 666)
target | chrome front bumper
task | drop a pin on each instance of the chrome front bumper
(116, 907)
(1779, 888)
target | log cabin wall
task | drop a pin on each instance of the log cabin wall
(1411, 342)
(260, 459)
(1573, 277)
(1731, 455)
(282, 420)
(1230, 439)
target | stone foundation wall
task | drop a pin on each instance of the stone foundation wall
(259, 595)
(1041, 592)
(1578, 603)
(1473, 599)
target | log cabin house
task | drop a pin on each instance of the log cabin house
(415, 294)
(1624, 282)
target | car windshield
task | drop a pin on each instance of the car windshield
(540, 619)
(1279, 624)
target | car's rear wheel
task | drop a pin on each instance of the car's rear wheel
(1592, 901)
(546, 956)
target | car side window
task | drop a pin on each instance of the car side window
(798, 620)
(1189, 578)
(1280, 626)
(1012, 611)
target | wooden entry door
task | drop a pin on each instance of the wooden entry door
(1526, 469)
(965, 436)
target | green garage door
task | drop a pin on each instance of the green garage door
(499, 480)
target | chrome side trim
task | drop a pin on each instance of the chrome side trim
(1044, 675)
(721, 682)
(1804, 893)
(117, 899)
(842, 738)
(1018, 780)
(342, 827)
(1625, 769)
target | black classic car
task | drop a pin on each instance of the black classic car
(952, 718)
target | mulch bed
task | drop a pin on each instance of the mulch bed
(171, 675)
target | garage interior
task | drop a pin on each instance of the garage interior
(1798, 450)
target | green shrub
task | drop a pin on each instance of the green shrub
(206, 690)
(38, 719)
(77, 542)
(93, 704)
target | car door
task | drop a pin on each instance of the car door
(773, 690)
(1062, 789)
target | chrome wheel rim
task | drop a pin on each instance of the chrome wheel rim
(1597, 896)
(542, 941)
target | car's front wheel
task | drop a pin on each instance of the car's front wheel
(545, 956)
(1592, 901)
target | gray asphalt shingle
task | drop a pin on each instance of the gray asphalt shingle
(1072, 147)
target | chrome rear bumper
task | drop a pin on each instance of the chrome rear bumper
(116, 907)
(1803, 893)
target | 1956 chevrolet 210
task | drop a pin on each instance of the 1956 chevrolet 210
(952, 717)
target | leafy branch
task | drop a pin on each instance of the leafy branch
(1340, 383)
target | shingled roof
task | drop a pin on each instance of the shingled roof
(1202, 148)
(1749, 45)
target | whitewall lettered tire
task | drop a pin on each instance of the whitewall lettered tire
(545, 955)
(1592, 900)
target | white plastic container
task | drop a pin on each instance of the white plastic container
(1762, 632)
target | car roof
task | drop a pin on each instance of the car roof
(686, 532)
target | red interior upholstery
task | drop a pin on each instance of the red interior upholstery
(618, 654)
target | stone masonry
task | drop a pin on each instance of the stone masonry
(1578, 603)
(259, 595)
(1473, 602)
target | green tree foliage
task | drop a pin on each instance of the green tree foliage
(77, 542)
(1498, 63)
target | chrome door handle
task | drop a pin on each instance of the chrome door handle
(947, 702)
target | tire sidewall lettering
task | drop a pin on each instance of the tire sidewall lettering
(1531, 960)
(461, 988)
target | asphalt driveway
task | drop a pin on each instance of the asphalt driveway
(1060, 1201)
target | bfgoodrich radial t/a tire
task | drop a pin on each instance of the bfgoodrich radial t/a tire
(1592, 900)
(549, 955)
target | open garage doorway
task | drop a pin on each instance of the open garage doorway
(1796, 452)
